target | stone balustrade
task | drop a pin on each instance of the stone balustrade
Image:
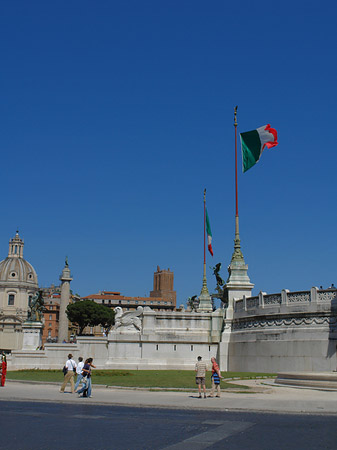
(285, 299)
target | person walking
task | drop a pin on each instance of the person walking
(70, 366)
(79, 372)
(201, 369)
(216, 377)
(3, 368)
(86, 372)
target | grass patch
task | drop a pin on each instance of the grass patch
(140, 378)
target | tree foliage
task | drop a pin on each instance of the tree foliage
(88, 313)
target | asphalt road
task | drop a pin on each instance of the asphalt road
(33, 425)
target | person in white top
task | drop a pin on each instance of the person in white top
(79, 372)
(70, 365)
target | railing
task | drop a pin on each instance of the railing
(264, 300)
(327, 295)
(272, 299)
(252, 302)
(298, 297)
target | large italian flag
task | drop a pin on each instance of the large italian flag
(254, 142)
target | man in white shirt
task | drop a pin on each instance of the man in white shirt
(79, 372)
(70, 365)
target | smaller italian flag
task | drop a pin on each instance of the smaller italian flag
(209, 234)
(254, 142)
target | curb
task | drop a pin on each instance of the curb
(134, 388)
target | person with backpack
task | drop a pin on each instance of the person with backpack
(216, 376)
(69, 370)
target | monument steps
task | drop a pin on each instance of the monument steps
(319, 380)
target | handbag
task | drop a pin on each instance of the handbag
(64, 370)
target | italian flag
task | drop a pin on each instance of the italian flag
(209, 234)
(254, 142)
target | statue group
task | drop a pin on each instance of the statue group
(36, 308)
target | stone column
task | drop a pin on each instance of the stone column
(65, 278)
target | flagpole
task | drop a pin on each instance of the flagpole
(237, 255)
(205, 301)
(236, 163)
(205, 227)
(204, 283)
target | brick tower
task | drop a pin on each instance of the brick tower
(163, 286)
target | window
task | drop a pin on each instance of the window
(144, 302)
(50, 308)
(209, 348)
(49, 333)
(50, 324)
(157, 347)
(50, 316)
(191, 348)
(11, 298)
(174, 347)
(137, 302)
(103, 301)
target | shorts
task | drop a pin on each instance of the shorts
(200, 380)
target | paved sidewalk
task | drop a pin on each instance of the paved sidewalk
(264, 398)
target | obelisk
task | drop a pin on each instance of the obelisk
(65, 278)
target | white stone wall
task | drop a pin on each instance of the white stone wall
(167, 341)
(283, 332)
(288, 331)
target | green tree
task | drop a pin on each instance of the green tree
(107, 318)
(88, 313)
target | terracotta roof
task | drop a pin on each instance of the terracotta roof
(120, 297)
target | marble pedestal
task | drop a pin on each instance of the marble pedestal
(32, 335)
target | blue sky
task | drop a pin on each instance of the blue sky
(116, 115)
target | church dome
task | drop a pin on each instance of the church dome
(14, 269)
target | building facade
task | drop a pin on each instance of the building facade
(162, 298)
(18, 285)
(51, 318)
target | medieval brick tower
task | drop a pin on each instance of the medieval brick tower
(163, 286)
